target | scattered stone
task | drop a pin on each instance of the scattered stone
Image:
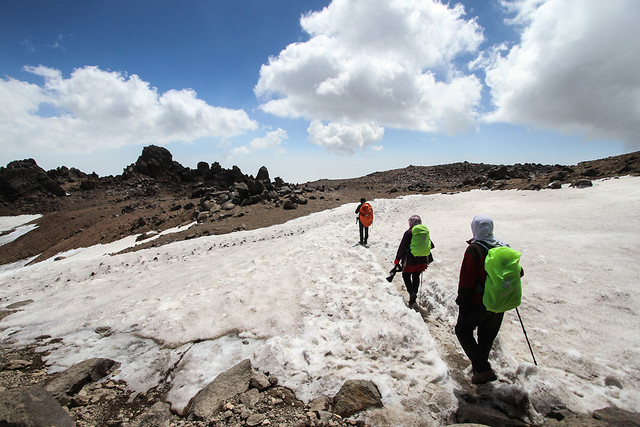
(582, 183)
(256, 419)
(319, 404)
(260, 381)
(533, 187)
(14, 365)
(290, 205)
(250, 397)
(566, 418)
(299, 199)
(159, 415)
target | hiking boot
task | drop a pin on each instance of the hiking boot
(412, 299)
(483, 377)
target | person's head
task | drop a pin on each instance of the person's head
(414, 220)
(362, 200)
(482, 227)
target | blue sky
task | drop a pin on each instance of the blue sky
(318, 89)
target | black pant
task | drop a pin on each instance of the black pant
(488, 324)
(412, 283)
(364, 233)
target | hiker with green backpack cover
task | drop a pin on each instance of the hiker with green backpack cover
(414, 254)
(489, 285)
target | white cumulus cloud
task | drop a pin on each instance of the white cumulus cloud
(380, 62)
(272, 141)
(96, 109)
(575, 69)
(343, 138)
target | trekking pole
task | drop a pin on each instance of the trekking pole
(527, 338)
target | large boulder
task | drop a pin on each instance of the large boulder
(208, 402)
(255, 187)
(155, 162)
(23, 178)
(32, 406)
(485, 415)
(617, 417)
(69, 382)
(355, 396)
(263, 174)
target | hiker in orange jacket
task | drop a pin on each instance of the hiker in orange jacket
(365, 219)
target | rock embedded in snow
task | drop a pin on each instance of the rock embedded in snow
(582, 183)
(208, 402)
(485, 415)
(355, 396)
(617, 417)
(69, 382)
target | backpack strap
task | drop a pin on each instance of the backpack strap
(483, 245)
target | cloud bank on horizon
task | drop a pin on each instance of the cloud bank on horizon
(364, 68)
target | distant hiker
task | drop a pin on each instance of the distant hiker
(472, 312)
(364, 220)
(414, 254)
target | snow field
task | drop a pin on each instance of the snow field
(303, 301)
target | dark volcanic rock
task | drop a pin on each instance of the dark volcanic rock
(156, 162)
(25, 178)
(263, 174)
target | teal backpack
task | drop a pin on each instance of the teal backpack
(420, 242)
(503, 287)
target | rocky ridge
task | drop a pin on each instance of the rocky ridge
(156, 193)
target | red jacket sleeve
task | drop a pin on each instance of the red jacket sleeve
(472, 276)
(404, 246)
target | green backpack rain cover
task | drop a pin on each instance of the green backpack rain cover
(503, 287)
(420, 242)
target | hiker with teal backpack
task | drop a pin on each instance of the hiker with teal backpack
(414, 255)
(489, 285)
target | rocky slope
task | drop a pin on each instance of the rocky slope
(156, 193)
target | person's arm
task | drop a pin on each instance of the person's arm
(470, 274)
(404, 245)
